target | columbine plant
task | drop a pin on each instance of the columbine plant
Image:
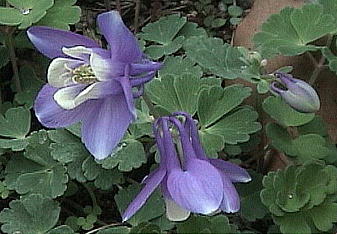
(190, 181)
(90, 84)
(297, 93)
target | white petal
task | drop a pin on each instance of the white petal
(174, 212)
(104, 69)
(79, 52)
(71, 97)
(65, 97)
(59, 74)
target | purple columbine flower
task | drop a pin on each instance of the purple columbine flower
(90, 84)
(190, 181)
(297, 93)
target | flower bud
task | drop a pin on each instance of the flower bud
(297, 93)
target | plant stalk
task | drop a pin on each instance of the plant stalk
(151, 107)
(320, 65)
(13, 58)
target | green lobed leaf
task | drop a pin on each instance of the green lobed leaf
(30, 215)
(153, 208)
(129, 155)
(218, 58)
(298, 195)
(37, 172)
(177, 65)
(305, 147)
(250, 194)
(30, 84)
(67, 147)
(331, 58)
(10, 16)
(157, 51)
(211, 143)
(163, 32)
(236, 127)
(315, 126)
(14, 144)
(324, 216)
(204, 224)
(329, 7)
(30, 11)
(191, 29)
(63, 13)
(103, 178)
(15, 123)
(284, 114)
(290, 31)
(215, 102)
(235, 11)
(175, 93)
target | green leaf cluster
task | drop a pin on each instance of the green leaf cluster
(54, 13)
(302, 198)
(153, 208)
(219, 58)
(24, 12)
(291, 31)
(68, 149)
(63, 13)
(166, 36)
(30, 215)
(221, 119)
(202, 224)
(250, 194)
(311, 142)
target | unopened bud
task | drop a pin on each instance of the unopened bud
(296, 93)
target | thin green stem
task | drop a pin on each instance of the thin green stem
(118, 6)
(320, 65)
(104, 227)
(91, 194)
(151, 107)
(13, 58)
(137, 10)
(107, 5)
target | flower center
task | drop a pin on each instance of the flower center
(84, 75)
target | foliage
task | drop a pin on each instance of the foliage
(49, 182)
(300, 201)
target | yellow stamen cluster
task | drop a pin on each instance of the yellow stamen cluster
(84, 75)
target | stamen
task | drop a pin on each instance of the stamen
(84, 75)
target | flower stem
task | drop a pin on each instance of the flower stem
(319, 65)
(91, 194)
(118, 6)
(136, 21)
(107, 5)
(13, 58)
(151, 107)
(104, 227)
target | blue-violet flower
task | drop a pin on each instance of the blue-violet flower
(91, 84)
(297, 93)
(190, 181)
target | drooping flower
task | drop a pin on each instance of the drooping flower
(297, 93)
(190, 181)
(91, 84)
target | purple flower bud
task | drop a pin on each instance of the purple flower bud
(297, 93)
